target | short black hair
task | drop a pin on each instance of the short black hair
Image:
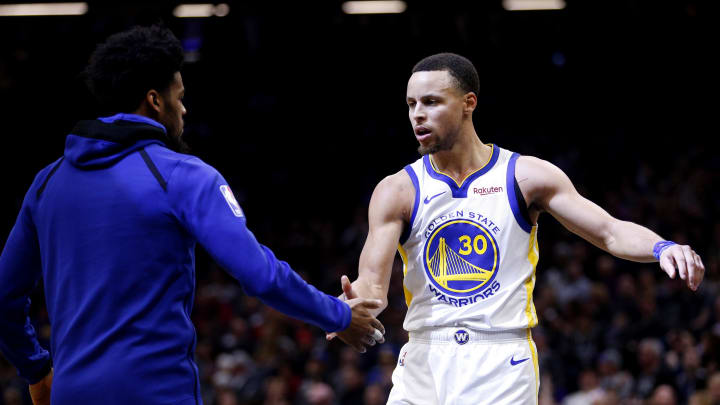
(459, 67)
(130, 63)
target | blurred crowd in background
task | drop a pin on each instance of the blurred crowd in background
(303, 112)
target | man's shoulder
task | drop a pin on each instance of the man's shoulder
(398, 182)
(536, 169)
(168, 156)
(45, 172)
(175, 164)
(538, 178)
(394, 196)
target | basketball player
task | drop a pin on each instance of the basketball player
(464, 219)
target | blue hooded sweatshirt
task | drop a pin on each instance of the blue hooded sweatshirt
(111, 227)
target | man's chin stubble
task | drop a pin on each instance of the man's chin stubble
(428, 150)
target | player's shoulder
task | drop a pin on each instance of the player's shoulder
(531, 167)
(393, 195)
(179, 167)
(538, 177)
(45, 173)
(395, 185)
(166, 156)
(49, 168)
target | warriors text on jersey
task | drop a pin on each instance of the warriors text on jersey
(470, 251)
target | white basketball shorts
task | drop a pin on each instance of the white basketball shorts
(459, 366)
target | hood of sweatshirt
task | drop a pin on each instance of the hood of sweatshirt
(96, 144)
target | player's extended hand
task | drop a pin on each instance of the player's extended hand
(348, 294)
(40, 391)
(364, 329)
(688, 264)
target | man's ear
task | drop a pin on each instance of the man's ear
(470, 102)
(152, 97)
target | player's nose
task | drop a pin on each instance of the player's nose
(418, 113)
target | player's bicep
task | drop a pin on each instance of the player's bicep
(575, 212)
(386, 218)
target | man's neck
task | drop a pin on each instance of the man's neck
(467, 155)
(145, 112)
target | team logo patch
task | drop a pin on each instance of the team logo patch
(462, 337)
(230, 198)
(461, 258)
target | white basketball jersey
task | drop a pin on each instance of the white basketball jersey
(469, 253)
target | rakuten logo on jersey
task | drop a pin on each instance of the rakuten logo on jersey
(487, 190)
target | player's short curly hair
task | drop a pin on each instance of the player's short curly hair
(130, 63)
(459, 67)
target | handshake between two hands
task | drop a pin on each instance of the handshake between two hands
(365, 329)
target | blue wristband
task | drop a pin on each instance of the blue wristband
(660, 247)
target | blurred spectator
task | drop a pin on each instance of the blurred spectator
(589, 392)
(710, 396)
(652, 371)
(12, 396)
(375, 395)
(663, 395)
(317, 393)
(612, 377)
(276, 392)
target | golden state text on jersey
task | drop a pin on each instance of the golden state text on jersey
(462, 260)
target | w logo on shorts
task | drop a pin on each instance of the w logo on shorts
(462, 337)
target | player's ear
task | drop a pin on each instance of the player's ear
(470, 101)
(153, 99)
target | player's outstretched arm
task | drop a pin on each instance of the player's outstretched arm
(390, 208)
(549, 188)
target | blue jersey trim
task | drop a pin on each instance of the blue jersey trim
(406, 232)
(512, 197)
(460, 191)
(132, 118)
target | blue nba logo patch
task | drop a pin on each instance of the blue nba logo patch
(232, 202)
(401, 362)
(462, 337)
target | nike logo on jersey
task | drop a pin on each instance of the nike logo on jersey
(514, 362)
(428, 199)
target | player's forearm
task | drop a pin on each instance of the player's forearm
(631, 241)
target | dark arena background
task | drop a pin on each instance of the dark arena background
(301, 106)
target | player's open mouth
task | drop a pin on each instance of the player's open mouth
(422, 133)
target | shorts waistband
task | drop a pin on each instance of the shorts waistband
(461, 335)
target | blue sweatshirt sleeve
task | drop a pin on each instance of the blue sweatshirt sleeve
(20, 270)
(204, 204)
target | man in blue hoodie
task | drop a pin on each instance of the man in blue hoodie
(111, 228)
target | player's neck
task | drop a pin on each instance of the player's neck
(467, 155)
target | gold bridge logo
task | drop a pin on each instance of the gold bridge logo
(461, 257)
(447, 265)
